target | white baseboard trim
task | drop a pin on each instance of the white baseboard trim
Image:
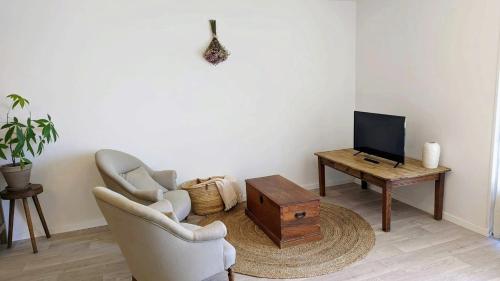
(61, 229)
(328, 183)
(446, 216)
(465, 224)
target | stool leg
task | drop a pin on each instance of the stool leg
(40, 214)
(12, 204)
(30, 225)
(3, 234)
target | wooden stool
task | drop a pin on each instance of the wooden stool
(32, 191)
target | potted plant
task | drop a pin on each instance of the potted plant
(19, 138)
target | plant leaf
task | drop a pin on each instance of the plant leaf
(30, 148)
(46, 133)
(40, 148)
(8, 135)
(18, 150)
(54, 133)
(20, 134)
(18, 100)
(8, 125)
(2, 154)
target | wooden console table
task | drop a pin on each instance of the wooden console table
(383, 175)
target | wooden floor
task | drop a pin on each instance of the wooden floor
(417, 248)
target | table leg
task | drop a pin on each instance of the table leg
(12, 204)
(40, 214)
(364, 185)
(30, 225)
(438, 197)
(386, 208)
(321, 173)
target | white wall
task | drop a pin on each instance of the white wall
(129, 75)
(435, 61)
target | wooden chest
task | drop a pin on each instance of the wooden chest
(286, 212)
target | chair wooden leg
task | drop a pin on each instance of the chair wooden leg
(230, 274)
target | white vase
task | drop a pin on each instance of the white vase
(430, 155)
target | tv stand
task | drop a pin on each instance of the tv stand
(383, 175)
(375, 161)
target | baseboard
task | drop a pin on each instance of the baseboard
(311, 186)
(446, 216)
(62, 229)
(465, 224)
(328, 183)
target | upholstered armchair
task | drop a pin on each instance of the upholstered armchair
(113, 165)
(159, 248)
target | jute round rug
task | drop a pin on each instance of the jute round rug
(347, 237)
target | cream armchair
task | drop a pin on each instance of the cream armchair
(158, 248)
(112, 164)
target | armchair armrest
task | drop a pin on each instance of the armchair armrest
(152, 195)
(167, 178)
(215, 230)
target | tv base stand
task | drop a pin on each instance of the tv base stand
(383, 175)
(371, 160)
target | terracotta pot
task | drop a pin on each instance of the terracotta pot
(17, 178)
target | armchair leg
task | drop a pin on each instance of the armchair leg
(133, 278)
(230, 274)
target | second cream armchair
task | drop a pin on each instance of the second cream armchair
(113, 166)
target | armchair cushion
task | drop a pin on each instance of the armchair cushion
(180, 201)
(141, 179)
(152, 195)
(229, 250)
(165, 207)
(167, 178)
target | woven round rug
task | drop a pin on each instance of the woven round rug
(347, 237)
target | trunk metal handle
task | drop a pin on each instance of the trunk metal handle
(300, 215)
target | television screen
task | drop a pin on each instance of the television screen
(380, 135)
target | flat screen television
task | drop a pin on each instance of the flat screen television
(380, 135)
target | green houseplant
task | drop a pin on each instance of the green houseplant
(21, 138)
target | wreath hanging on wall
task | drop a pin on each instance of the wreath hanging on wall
(215, 53)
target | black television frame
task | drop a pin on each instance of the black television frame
(371, 151)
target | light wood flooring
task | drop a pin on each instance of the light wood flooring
(417, 248)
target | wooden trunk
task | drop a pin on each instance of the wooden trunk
(286, 212)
